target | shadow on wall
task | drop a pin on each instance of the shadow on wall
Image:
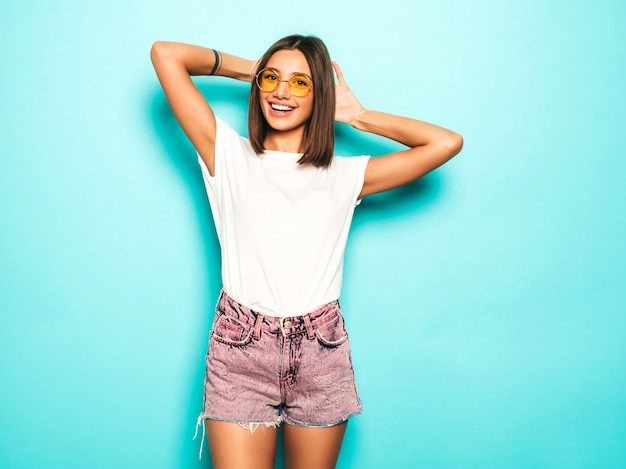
(180, 155)
(229, 101)
(394, 203)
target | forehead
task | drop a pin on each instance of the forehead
(287, 62)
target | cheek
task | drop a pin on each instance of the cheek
(308, 107)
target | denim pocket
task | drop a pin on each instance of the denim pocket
(332, 333)
(231, 331)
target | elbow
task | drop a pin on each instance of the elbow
(158, 51)
(454, 143)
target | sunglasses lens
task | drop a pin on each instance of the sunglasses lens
(299, 85)
(267, 80)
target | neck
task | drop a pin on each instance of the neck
(290, 141)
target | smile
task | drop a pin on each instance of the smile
(280, 107)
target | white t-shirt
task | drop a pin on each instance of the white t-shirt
(282, 226)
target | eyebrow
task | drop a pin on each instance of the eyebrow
(279, 71)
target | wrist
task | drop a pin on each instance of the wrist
(238, 68)
(216, 65)
(360, 119)
(254, 64)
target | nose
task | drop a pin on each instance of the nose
(282, 90)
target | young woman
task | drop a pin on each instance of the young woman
(282, 205)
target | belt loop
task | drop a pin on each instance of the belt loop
(221, 300)
(257, 326)
(309, 327)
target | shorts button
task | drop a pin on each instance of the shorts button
(287, 324)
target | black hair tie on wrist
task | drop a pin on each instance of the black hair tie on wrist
(217, 62)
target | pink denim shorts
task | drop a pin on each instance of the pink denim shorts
(266, 370)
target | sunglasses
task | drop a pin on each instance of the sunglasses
(299, 83)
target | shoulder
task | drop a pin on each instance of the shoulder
(349, 163)
(225, 130)
(348, 174)
(228, 139)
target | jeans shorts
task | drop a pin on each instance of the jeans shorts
(266, 370)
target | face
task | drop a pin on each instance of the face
(283, 111)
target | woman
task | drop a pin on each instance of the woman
(282, 206)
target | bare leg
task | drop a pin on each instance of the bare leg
(312, 447)
(233, 447)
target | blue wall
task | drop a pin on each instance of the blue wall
(486, 302)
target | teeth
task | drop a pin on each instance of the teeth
(278, 107)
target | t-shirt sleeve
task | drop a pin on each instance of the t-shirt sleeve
(229, 148)
(230, 154)
(352, 174)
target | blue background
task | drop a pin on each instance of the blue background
(486, 302)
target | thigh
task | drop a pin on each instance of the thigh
(312, 447)
(235, 447)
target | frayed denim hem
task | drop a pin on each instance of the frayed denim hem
(321, 425)
(250, 426)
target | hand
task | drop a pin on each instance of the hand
(253, 70)
(347, 106)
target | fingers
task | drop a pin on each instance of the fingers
(255, 68)
(340, 78)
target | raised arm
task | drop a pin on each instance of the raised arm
(174, 64)
(429, 145)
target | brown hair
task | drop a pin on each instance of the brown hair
(319, 132)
